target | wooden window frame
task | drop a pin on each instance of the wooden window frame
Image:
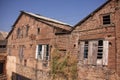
(42, 52)
(100, 50)
(106, 19)
(93, 52)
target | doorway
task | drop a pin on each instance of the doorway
(1, 67)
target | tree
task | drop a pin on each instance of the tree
(63, 66)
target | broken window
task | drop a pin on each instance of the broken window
(42, 52)
(106, 19)
(86, 49)
(100, 49)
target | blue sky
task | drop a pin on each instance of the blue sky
(68, 11)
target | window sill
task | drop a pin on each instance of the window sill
(108, 25)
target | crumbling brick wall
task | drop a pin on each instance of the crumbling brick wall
(92, 28)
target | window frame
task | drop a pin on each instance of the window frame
(38, 30)
(106, 19)
(100, 47)
(86, 45)
(44, 53)
(93, 57)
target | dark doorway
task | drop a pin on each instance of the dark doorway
(1, 68)
(16, 76)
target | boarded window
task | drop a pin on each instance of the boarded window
(106, 19)
(95, 51)
(92, 52)
(18, 33)
(21, 53)
(42, 52)
(27, 30)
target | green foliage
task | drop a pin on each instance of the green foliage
(63, 66)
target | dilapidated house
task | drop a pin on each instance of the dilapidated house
(3, 54)
(29, 45)
(95, 40)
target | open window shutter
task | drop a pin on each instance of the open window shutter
(42, 52)
(105, 52)
(81, 54)
(45, 51)
(92, 52)
(95, 52)
(36, 55)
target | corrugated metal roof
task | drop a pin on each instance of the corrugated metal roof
(3, 35)
(45, 18)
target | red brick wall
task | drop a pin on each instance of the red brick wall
(117, 28)
(46, 36)
(92, 29)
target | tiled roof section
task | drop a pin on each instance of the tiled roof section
(45, 18)
(3, 35)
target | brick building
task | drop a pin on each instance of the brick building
(29, 46)
(3, 54)
(95, 40)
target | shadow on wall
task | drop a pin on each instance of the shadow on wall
(16, 76)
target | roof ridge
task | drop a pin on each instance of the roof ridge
(46, 18)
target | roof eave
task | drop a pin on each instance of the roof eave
(91, 14)
(46, 19)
